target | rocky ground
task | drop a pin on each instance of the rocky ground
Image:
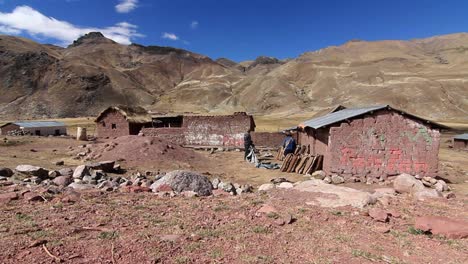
(69, 209)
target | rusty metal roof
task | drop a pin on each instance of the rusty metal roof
(462, 136)
(338, 116)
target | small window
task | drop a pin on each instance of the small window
(103, 124)
(114, 126)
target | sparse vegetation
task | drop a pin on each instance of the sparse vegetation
(111, 235)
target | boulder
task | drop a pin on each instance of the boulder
(66, 172)
(320, 175)
(378, 215)
(327, 195)
(286, 185)
(80, 186)
(181, 181)
(53, 174)
(426, 193)
(444, 226)
(227, 187)
(441, 186)
(336, 179)
(33, 171)
(405, 183)
(6, 172)
(327, 179)
(105, 166)
(81, 171)
(63, 180)
(215, 182)
(266, 187)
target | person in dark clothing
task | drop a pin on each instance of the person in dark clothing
(247, 144)
(289, 144)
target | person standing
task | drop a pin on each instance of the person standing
(247, 144)
(289, 143)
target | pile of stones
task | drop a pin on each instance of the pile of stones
(16, 133)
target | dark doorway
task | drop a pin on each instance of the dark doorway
(57, 132)
(37, 132)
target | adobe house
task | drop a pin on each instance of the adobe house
(371, 143)
(460, 142)
(37, 128)
(116, 121)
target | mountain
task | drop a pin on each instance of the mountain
(427, 77)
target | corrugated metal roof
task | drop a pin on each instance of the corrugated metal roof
(338, 116)
(462, 136)
(39, 124)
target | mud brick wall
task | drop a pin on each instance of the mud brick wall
(381, 145)
(316, 139)
(7, 128)
(104, 126)
(217, 130)
(175, 135)
(460, 144)
(268, 139)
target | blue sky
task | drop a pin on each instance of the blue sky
(239, 30)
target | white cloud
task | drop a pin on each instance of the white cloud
(24, 19)
(170, 36)
(126, 6)
(194, 24)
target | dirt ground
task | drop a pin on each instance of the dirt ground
(142, 228)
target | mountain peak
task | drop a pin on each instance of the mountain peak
(91, 37)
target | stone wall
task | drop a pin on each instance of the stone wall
(225, 131)
(104, 128)
(460, 144)
(386, 143)
(217, 130)
(175, 135)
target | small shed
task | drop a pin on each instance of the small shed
(37, 128)
(460, 142)
(369, 144)
(116, 121)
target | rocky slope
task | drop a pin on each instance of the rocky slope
(426, 77)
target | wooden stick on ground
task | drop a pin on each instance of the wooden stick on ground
(50, 254)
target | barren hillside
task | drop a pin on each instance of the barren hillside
(426, 76)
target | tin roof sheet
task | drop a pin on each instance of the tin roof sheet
(462, 136)
(30, 124)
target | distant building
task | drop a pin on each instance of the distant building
(371, 143)
(460, 142)
(117, 121)
(37, 128)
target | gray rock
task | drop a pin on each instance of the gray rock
(98, 174)
(6, 172)
(327, 180)
(441, 186)
(81, 171)
(59, 163)
(336, 179)
(226, 186)
(33, 171)
(66, 172)
(215, 182)
(405, 183)
(426, 193)
(53, 174)
(105, 166)
(80, 186)
(286, 185)
(266, 187)
(87, 179)
(181, 181)
(107, 185)
(63, 180)
(319, 175)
